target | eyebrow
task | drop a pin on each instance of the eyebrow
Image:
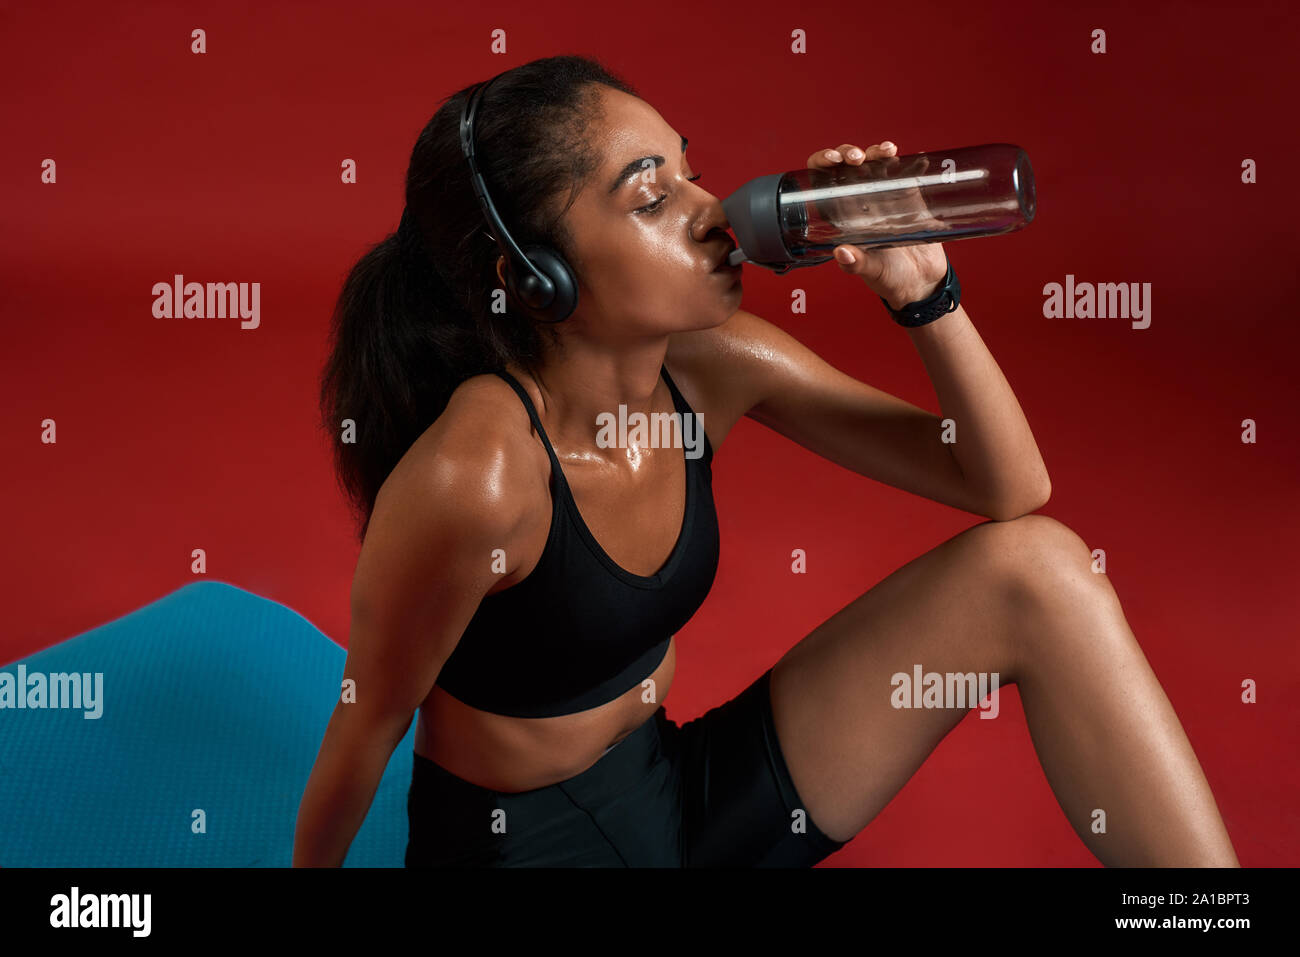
(636, 165)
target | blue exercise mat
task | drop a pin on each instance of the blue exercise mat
(213, 699)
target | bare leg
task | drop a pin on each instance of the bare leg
(1017, 598)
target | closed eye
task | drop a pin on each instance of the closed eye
(659, 203)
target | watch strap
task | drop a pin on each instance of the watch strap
(941, 302)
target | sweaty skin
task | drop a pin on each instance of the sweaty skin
(643, 274)
(1015, 595)
(478, 478)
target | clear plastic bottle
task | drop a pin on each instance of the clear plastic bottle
(786, 220)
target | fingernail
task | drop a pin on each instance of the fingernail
(855, 153)
(843, 255)
(833, 155)
(886, 145)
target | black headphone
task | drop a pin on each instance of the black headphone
(547, 286)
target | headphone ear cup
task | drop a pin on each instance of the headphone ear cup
(552, 265)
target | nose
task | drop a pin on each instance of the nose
(710, 218)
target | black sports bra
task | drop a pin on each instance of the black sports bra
(580, 630)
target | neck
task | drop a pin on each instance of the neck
(593, 379)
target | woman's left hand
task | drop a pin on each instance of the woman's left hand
(900, 274)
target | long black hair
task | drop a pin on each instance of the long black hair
(414, 317)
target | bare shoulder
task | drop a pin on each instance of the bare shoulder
(476, 471)
(484, 434)
(465, 488)
(725, 366)
(482, 411)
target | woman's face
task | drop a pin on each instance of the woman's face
(647, 238)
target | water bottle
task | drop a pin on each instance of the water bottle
(786, 220)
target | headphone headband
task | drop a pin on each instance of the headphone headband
(549, 290)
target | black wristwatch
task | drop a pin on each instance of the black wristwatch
(944, 300)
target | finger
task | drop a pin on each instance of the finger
(856, 156)
(825, 159)
(844, 153)
(915, 169)
(863, 263)
(851, 154)
(851, 258)
(880, 151)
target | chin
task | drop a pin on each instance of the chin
(712, 318)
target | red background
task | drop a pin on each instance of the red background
(182, 434)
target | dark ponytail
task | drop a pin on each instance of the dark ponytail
(414, 318)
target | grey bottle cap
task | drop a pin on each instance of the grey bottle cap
(752, 212)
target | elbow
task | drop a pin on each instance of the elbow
(1012, 508)
(1042, 493)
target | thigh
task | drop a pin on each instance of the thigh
(849, 748)
(739, 805)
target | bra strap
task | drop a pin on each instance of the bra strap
(532, 414)
(682, 406)
(679, 403)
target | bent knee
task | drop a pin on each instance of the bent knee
(1038, 556)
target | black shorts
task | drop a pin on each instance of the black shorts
(714, 792)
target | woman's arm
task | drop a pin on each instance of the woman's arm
(994, 447)
(423, 569)
(352, 759)
(776, 380)
(988, 463)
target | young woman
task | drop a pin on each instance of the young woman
(520, 581)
